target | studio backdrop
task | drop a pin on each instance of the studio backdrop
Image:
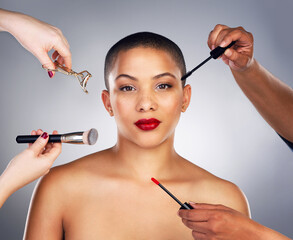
(221, 130)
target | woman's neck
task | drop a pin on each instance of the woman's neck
(143, 163)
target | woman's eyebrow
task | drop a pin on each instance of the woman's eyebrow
(126, 76)
(166, 74)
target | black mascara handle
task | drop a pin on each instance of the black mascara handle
(186, 206)
(32, 138)
(218, 51)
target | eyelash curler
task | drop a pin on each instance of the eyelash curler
(82, 77)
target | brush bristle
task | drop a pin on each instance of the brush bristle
(90, 137)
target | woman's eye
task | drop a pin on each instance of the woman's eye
(164, 86)
(127, 88)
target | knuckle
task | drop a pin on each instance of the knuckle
(214, 227)
(219, 26)
(241, 28)
(29, 152)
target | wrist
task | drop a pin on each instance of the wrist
(261, 232)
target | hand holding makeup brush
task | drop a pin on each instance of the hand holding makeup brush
(27, 166)
(271, 97)
(240, 56)
(209, 221)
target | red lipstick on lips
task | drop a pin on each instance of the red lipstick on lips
(147, 124)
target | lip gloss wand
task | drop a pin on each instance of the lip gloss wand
(183, 205)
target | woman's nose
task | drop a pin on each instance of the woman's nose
(146, 102)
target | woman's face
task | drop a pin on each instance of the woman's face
(146, 96)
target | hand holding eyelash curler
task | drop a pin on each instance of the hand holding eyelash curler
(82, 77)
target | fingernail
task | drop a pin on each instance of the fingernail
(223, 44)
(213, 47)
(178, 213)
(50, 74)
(44, 135)
(228, 53)
(193, 203)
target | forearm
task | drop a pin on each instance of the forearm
(272, 98)
(15, 23)
(7, 19)
(264, 233)
(5, 190)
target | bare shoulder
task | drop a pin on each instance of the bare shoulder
(78, 170)
(216, 190)
(57, 192)
(66, 180)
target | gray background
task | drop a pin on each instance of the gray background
(221, 131)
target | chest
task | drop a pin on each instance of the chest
(123, 214)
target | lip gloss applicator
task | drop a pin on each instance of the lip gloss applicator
(183, 205)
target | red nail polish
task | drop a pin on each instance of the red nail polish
(44, 135)
(50, 74)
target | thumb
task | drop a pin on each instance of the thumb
(46, 62)
(38, 146)
(207, 206)
(237, 61)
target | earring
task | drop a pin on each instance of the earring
(110, 111)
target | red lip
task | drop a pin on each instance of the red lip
(147, 124)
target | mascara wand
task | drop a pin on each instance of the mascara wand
(217, 52)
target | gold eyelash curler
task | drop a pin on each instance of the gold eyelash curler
(82, 77)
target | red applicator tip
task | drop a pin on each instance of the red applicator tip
(155, 181)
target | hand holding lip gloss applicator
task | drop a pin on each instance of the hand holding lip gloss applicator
(183, 205)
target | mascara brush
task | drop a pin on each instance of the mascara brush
(217, 52)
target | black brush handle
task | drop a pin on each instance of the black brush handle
(32, 138)
(186, 206)
(218, 51)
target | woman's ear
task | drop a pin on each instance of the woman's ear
(186, 97)
(107, 103)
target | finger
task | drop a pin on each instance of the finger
(54, 150)
(64, 51)
(206, 206)
(55, 55)
(199, 236)
(201, 227)
(60, 60)
(39, 132)
(194, 215)
(214, 35)
(237, 34)
(237, 60)
(38, 146)
(46, 61)
(48, 148)
(33, 132)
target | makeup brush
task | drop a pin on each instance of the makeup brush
(217, 52)
(183, 205)
(88, 137)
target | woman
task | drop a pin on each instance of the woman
(109, 194)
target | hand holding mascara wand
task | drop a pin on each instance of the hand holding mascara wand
(216, 53)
